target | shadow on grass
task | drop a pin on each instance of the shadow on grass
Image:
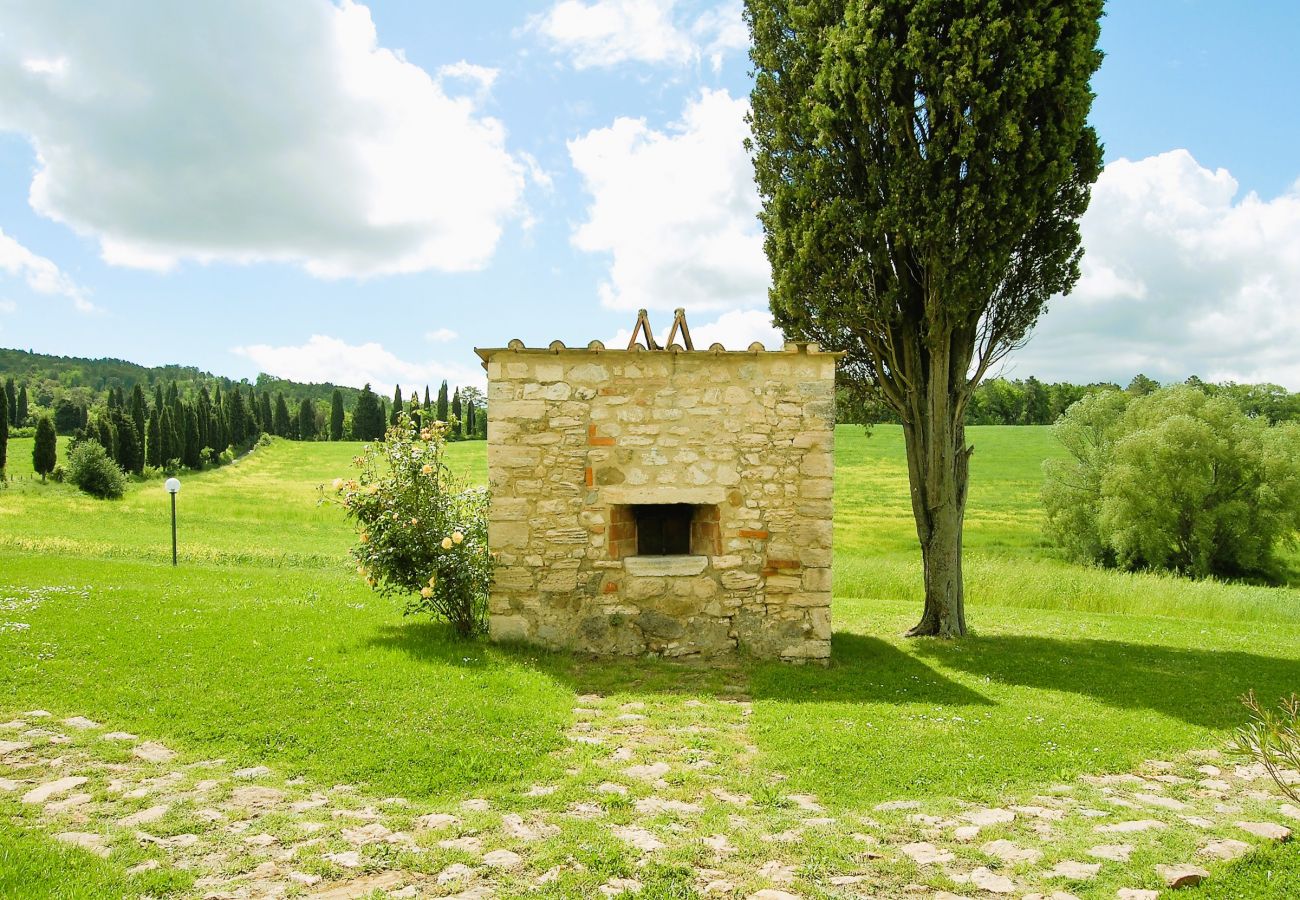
(864, 670)
(1199, 687)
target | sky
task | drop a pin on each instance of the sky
(366, 192)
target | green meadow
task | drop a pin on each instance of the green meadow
(264, 647)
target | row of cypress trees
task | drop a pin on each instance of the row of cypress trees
(465, 420)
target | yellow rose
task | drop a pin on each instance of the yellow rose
(426, 593)
(446, 543)
(373, 489)
(426, 469)
(457, 537)
(415, 521)
(365, 537)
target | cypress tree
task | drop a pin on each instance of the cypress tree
(193, 456)
(254, 427)
(280, 420)
(166, 436)
(4, 429)
(11, 396)
(367, 417)
(414, 407)
(458, 426)
(104, 434)
(237, 419)
(397, 405)
(383, 413)
(152, 448)
(130, 453)
(138, 415)
(336, 416)
(158, 398)
(22, 407)
(428, 407)
(45, 453)
(203, 413)
(469, 418)
(442, 403)
(266, 415)
(220, 428)
(307, 420)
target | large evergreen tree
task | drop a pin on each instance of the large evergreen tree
(266, 416)
(130, 450)
(192, 457)
(237, 419)
(168, 445)
(367, 416)
(469, 419)
(153, 442)
(442, 403)
(336, 415)
(11, 396)
(922, 167)
(307, 420)
(397, 405)
(45, 452)
(458, 425)
(22, 405)
(281, 425)
(139, 413)
(4, 429)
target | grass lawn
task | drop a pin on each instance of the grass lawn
(265, 648)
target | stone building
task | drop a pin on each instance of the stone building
(670, 502)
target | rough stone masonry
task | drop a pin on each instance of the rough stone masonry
(669, 502)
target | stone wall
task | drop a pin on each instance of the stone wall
(581, 442)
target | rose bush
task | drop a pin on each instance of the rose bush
(422, 531)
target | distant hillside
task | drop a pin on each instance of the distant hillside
(87, 381)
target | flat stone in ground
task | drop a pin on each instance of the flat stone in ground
(1226, 849)
(361, 887)
(455, 872)
(467, 844)
(93, 843)
(609, 787)
(773, 894)
(82, 723)
(503, 859)
(1136, 894)
(638, 838)
(924, 853)
(348, 859)
(965, 833)
(649, 771)
(1270, 831)
(152, 751)
(1074, 870)
(1113, 852)
(989, 816)
(1181, 876)
(988, 880)
(1161, 801)
(143, 817)
(7, 747)
(254, 798)
(891, 805)
(119, 736)
(1011, 853)
(775, 870)
(43, 792)
(304, 878)
(251, 772)
(1129, 827)
(61, 806)
(617, 886)
(436, 820)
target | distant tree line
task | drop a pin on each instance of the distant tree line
(1000, 401)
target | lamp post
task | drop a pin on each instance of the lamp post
(173, 486)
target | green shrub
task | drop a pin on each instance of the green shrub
(422, 532)
(1273, 741)
(90, 468)
(1174, 479)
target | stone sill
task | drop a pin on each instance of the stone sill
(665, 565)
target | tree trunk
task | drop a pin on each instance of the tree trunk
(938, 468)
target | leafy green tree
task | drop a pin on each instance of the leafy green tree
(1175, 479)
(442, 403)
(922, 167)
(397, 405)
(307, 420)
(1141, 385)
(336, 416)
(4, 430)
(45, 453)
(153, 444)
(367, 417)
(91, 469)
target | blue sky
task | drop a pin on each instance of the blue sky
(360, 192)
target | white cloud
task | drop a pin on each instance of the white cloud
(734, 330)
(675, 210)
(1181, 276)
(40, 274)
(249, 131)
(329, 359)
(440, 335)
(8, 307)
(603, 33)
(481, 77)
